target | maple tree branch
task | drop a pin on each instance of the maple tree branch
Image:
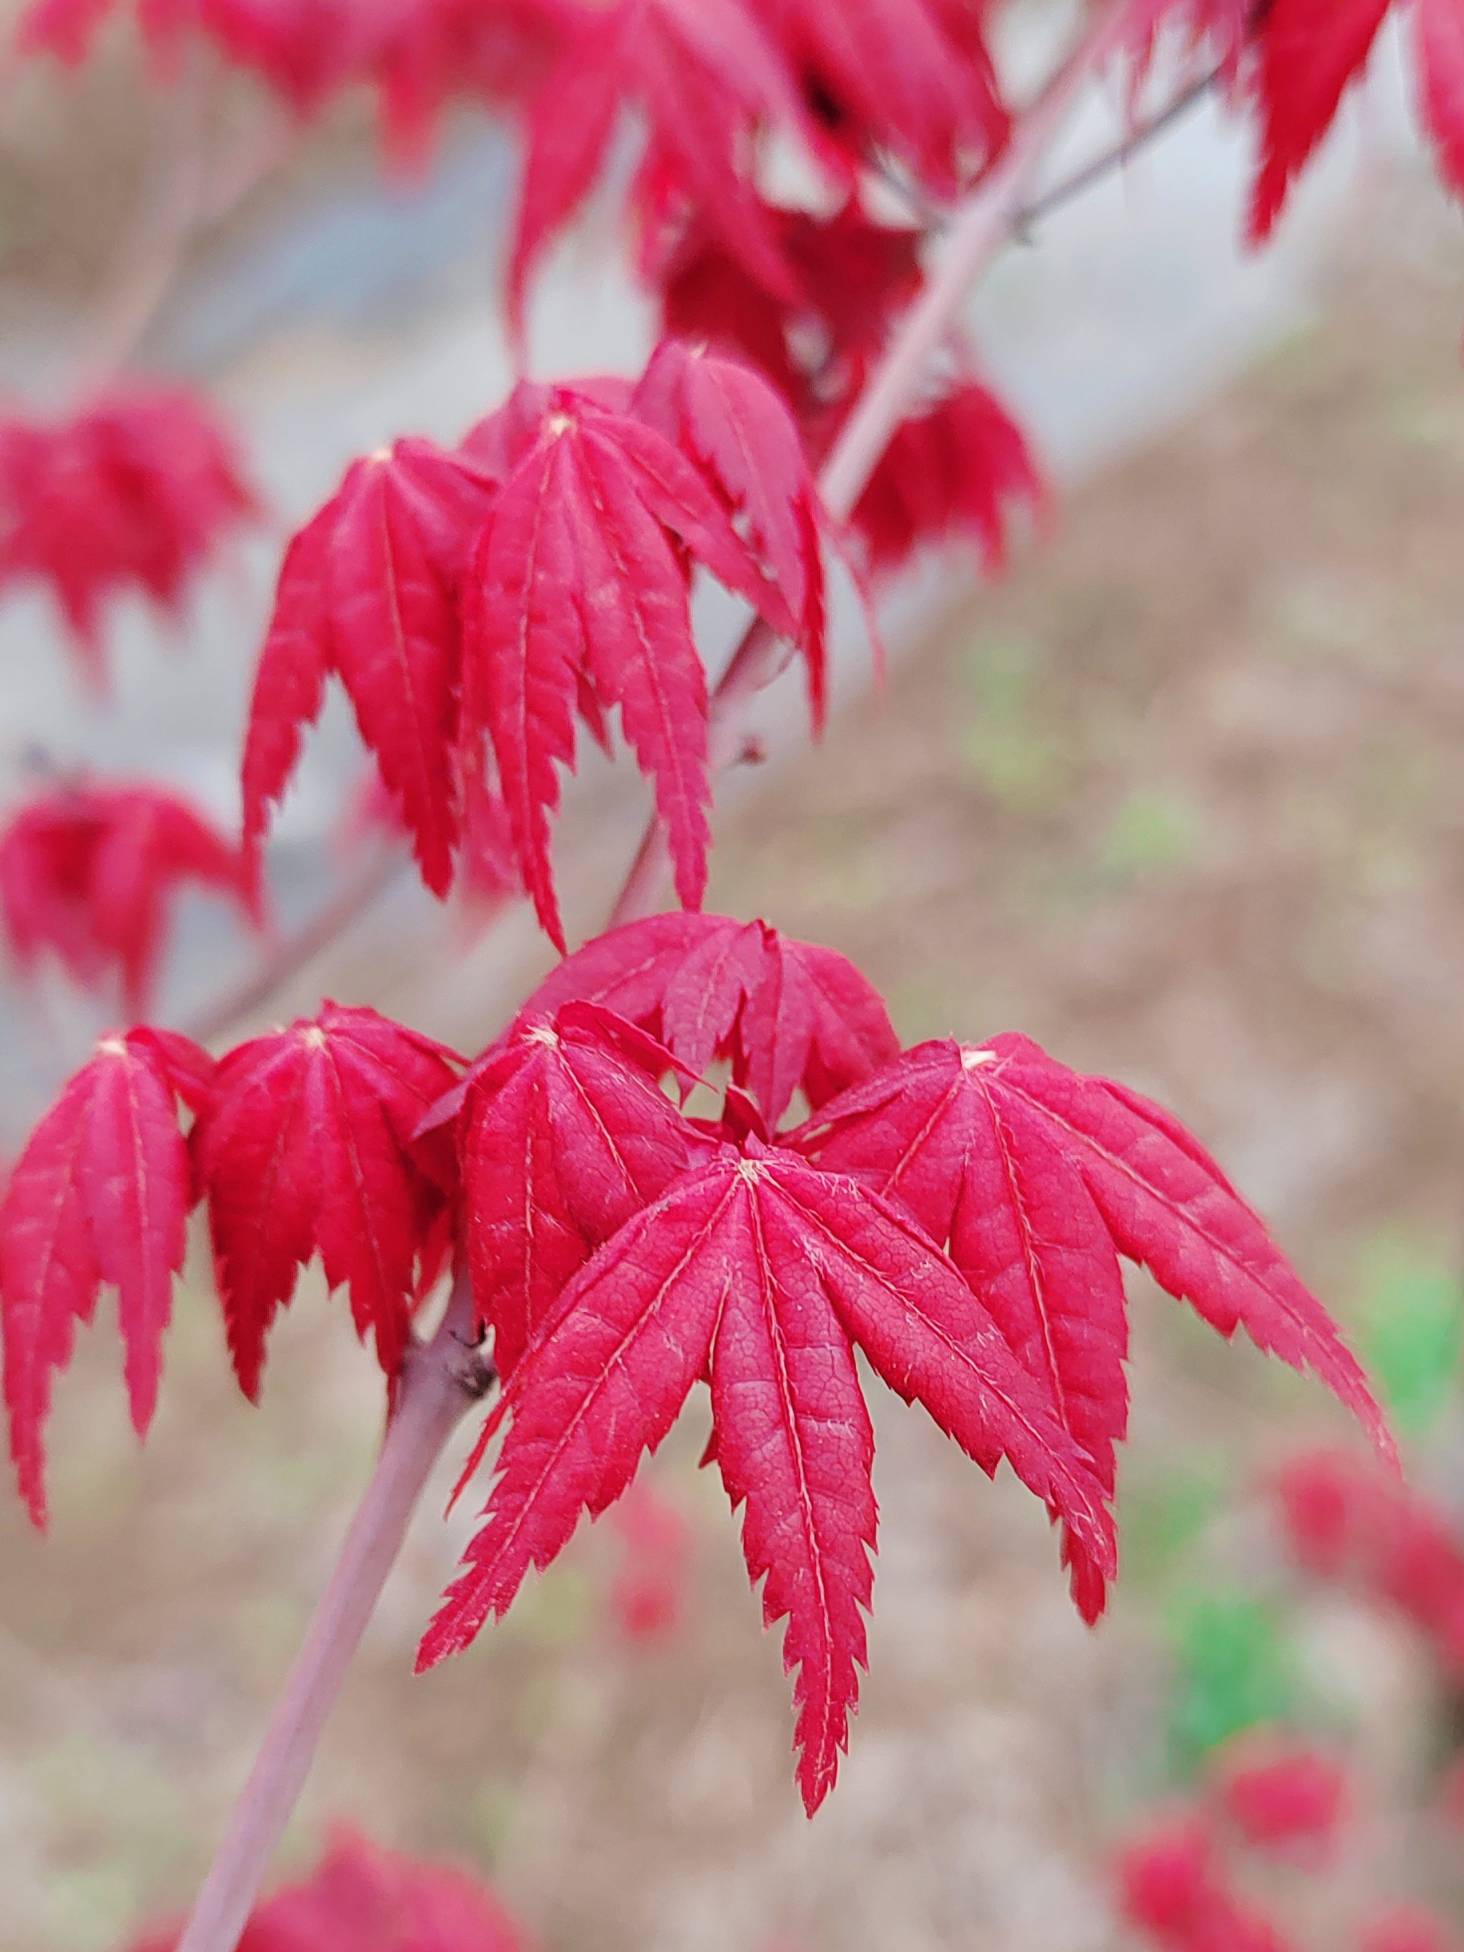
(288, 955)
(999, 211)
(442, 1379)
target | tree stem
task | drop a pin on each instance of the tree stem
(443, 1377)
(1001, 208)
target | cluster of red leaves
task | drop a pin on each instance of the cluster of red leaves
(1345, 1521)
(1177, 1878)
(954, 1213)
(88, 874)
(418, 54)
(475, 603)
(302, 1144)
(361, 1898)
(134, 492)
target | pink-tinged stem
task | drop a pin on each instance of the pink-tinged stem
(997, 210)
(442, 1379)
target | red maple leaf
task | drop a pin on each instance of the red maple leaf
(787, 1016)
(427, 52)
(1284, 1797)
(369, 592)
(304, 1145)
(361, 1898)
(957, 468)
(765, 1274)
(579, 588)
(705, 76)
(133, 492)
(99, 1197)
(817, 348)
(742, 436)
(911, 77)
(564, 1135)
(89, 872)
(1308, 53)
(1037, 1177)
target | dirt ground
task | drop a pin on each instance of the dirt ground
(1182, 800)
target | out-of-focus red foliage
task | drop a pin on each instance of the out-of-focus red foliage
(134, 492)
(361, 1898)
(648, 1594)
(1284, 1796)
(1343, 1518)
(1408, 1928)
(88, 874)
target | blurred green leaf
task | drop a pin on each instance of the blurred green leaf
(1164, 1518)
(1234, 1668)
(1154, 831)
(1412, 1335)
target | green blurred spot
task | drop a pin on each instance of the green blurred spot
(1412, 1336)
(1154, 831)
(1233, 1669)
(1164, 1518)
(1007, 751)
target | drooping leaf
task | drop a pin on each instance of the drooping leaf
(765, 1273)
(99, 1197)
(304, 1145)
(958, 468)
(579, 586)
(88, 873)
(705, 77)
(369, 593)
(1310, 52)
(788, 1016)
(135, 491)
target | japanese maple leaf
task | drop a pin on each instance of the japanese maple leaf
(704, 76)
(1285, 1797)
(99, 1197)
(135, 491)
(746, 443)
(427, 52)
(89, 872)
(1309, 52)
(1038, 1178)
(911, 77)
(579, 586)
(857, 274)
(1439, 28)
(369, 592)
(304, 1146)
(361, 1898)
(957, 468)
(787, 1016)
(764, 1274)
(565, 1134)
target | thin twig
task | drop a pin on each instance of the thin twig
(442, 1380)
(999, 211)
(285, 958)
